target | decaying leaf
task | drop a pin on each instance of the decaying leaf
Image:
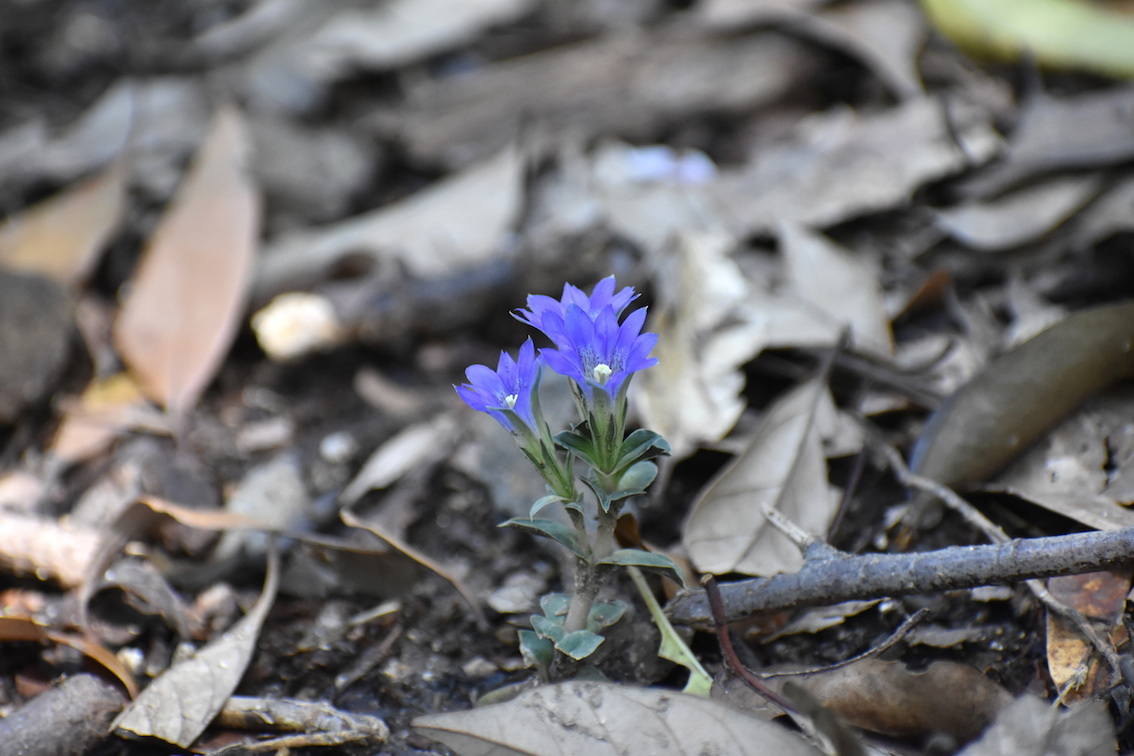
(837, 284)
(409, 449)
(1101, 597)
(179, 704)
(458, 223)
(1020, 217)
(784, 468)
(1021, 394)
(841, 165)
(1084, 467)
(1031, 727)
(604, 719)
(693, 394)
(63, 236)
(621, 83)
(187, 298)
(886, 697)
(401, 32)
(105, 409)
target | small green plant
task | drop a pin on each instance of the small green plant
(600, 354)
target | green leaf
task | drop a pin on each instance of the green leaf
(536, 651)
(647, 560)
(672, 647)
(543, 502)
(555, 604)
(638, 476)
(579, 644)
(579, 445)
(553, 529)
(641, 445)
(604, 614)
(547, 628)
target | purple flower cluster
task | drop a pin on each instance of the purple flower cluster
(591, 347)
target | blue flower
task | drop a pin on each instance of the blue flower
(507, 393)
(592, 347)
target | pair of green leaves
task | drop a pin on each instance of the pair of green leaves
(547, 634)
(633, 471)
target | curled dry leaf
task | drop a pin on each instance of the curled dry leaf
(1024, 392)
(62, 237)
(1098, 596)
(186, 300)
(179, 704)
(608, 720)
(784, 468)
(693, 394)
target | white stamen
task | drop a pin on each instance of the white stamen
(602, 373)
(510, 400)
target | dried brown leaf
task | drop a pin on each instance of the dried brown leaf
(186, 300)
(783, 467)
(1023, 393)
(839, 285)
(607, 720)
(63, 236)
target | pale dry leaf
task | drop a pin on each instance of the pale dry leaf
(1022, 216)
(47, 549)
(783, 467)
(460, 222)
(106, 408)
(693, 394)
(63, 236)
(729, 14)
(838, 284)
(1031, 727)
(411, 448)
(608, 720)
(400, 32)
(183, 700)
(186, 300)
(840, 165)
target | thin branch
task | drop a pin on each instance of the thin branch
(831, 577)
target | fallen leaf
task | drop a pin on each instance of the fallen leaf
(401, 32)
(728, 14)
(840, 165)
(187, 297)
(1058, 33)
(784, 468)
(1023, 216)
(1031, 727)
(408, 450)
(1023, 393)
(1090, 130)
(888, 698)
(605, 719)
(63, 236)
(838, 284)
(629, 83)
(178, 706)
(17, 629)
(106, 408)
(457, 223)
(693, 394)
(1100, 597)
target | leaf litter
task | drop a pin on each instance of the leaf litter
(768, 174)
